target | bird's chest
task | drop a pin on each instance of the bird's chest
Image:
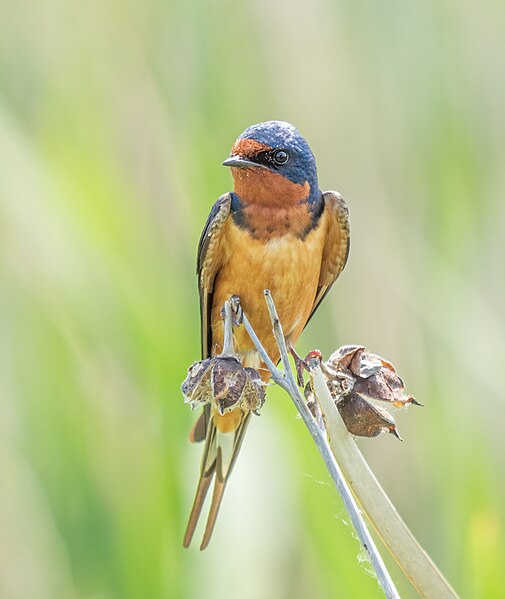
(276, 245)
(279, 260)
(280, 263)
(286, 264)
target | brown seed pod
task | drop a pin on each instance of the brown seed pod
(355, 376)
(363, 418)
(196, 385)
(225, 383)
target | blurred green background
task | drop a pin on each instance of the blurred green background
(114, 120)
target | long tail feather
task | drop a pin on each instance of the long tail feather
(224, 465)
(219, 458)
(207, 470)
(201, 493)
(199, 430)
(217, 496)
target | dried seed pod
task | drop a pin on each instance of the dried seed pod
(341, 358)
(353, 377)
(196, 385)
(374, 377)
(363, 418)
(224, 382)
(228, 380)
(254, 392)
(385, 385)
(355, 360)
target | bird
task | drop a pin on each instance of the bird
(276, 230)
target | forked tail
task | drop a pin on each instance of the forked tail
(223, 439)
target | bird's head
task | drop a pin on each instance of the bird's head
(272, 164)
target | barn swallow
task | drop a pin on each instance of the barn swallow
(276, 230)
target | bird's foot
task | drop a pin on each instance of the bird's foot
(300, 365)
(237, 311)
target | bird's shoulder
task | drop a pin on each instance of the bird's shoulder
(336, 206)
(335, 252)
(211, 233)
(338, 237)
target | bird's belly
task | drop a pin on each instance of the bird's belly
(287, 265)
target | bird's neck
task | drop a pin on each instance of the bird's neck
(271, 213)
(260, 187)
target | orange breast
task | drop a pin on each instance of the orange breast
(286, 265)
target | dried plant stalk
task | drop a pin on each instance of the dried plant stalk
(287, 381)
(396, 536)
(349, 471)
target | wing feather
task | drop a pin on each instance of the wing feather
(336, 248)
(208, 264)
(215, 466)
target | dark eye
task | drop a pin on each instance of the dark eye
(280, 157)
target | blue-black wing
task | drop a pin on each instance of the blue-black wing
(208, 264)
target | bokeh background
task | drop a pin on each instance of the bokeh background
(114, 120)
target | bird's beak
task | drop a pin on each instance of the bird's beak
(240, 162)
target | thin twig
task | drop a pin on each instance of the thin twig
(287, 381)
(228, 347)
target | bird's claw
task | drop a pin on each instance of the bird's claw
(301, 365)
(238, 312)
